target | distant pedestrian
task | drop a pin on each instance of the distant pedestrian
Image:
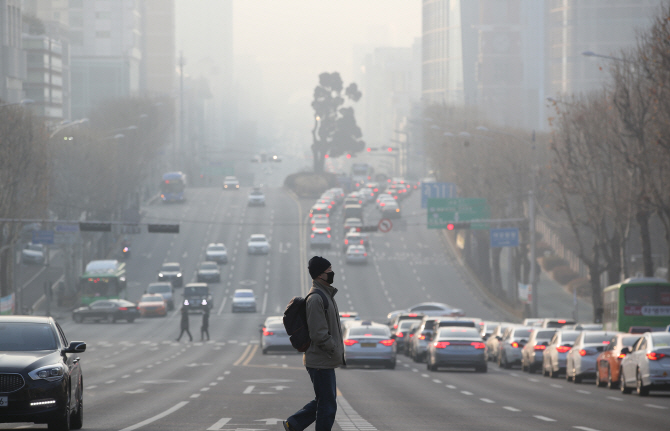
(184, 324)
(204, 329)
(325, 353)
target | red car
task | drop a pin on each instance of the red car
(608, 362)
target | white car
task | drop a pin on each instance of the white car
(581, 359)
(258, 244)
(321, 224)
(357, 254)
(319, 218)
(645, 366)
(33, 254)
(231, 183)
(320, 238)
(244, 300)
(216, 252)
(275, 338)
(352, 222)
(256, 198)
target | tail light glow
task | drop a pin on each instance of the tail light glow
(515, 344)
(387, 342)
(266, 333)
(441, 344)
(563, 349)
(350, 342)
(539, 347)
(123, 308)
(655, 356)
(399, 334)
(478, 345)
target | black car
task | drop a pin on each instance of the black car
(40, 374)
(197, 297)
(107, 309)
(171, 271)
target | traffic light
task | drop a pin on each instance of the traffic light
(392, 149)
(348, 156)
(371, 149)
(458, 225)
(95, 227)
(163, 228)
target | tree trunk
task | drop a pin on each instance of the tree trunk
(319, 160)
(596, 290)
(614, 270)
(642, 218)
(496, 283)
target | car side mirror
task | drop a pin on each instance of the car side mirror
(76, 347)
(625, 351)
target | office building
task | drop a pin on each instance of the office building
(12, 57)
(159, 61)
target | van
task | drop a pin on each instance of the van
(353, 211)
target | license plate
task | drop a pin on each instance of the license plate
(4, 401)
(460, 347)
(368, 344)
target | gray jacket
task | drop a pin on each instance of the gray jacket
(327, 348)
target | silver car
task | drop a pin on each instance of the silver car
(275, 338)
(208, 272)
(647, 366)
(244, 300)
(533, 351)
(369, 343)
(581, 359)
(33, 254)
(258, 244)
(216, 252)
(457, 346)
(356, 254)
(256, 198)
(422, 337)
(511, 345)
(320, 238)
(555, 355)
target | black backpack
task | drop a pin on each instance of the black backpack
(295, 320)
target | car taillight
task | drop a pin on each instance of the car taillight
(328, 228)
(478, 345)
(311, 215)
(539, 347)
(563, 349)
(654, 356)
(561, 321)
(395, 326)
(515, 344)
(422, 337)
(621, 356)
(358, 229)
(123, 308)
(362, 242)
(346, 241)
(365, 254)
(350, 342)
(399, 334)
(387, 342)
(328, 235)
(441, 344)
(266, 333)
(312, 235)
(346, 315)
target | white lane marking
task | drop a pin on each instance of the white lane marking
(219, 424)
(466, 393)
(213, 384)
(195, 396)
(544, 418)
(585, 428)
(425, 375)
(248, 390)
(654, 406)
(204, 389)
(512, 409)
(514, 374)
(109, 382)
(533, 380)
(437, 381)
(581, 391)
(157, 417)
(486, 400)
(414, 370)
(350, 419)
(265, 303)
(451, 386)
(223, 304)
(556, 386)
(91, 387)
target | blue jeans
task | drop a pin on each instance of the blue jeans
(323, 407)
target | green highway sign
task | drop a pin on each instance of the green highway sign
(441, 211)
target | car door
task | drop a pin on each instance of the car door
(630, 361)
(100, 309)
(71, 361)
(551, 354)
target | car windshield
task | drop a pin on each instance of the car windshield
(244, 295)
(257, 239)
(256, 193)
(426, 308)
(170, 267)
(545, 335)
(460, 323)
(629, 340)
(569, 337)
(209, 265)
(522, 333)
(24, 337)
(369, 331)
(196, 290)
(597, 338)
(277, 328)
(151, 298)
(162, 288)
(661, 340)
(455, 332)
(217, 248)
(406, 324)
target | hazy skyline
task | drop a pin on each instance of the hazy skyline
(292, 41)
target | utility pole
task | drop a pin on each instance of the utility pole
(531, 216)
(181, 107)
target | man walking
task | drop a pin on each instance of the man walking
(204, 329)
(325, 353)
(184, 324)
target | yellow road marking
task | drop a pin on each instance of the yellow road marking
(251, 355)
(243, 355)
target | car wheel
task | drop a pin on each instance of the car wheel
(77, 419)
(622, 383)
(642, 390)
(532, 369)
(62, 421)
(599, 382)
(611, 384)
(391, 365)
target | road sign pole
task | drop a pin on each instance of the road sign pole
(533, 260)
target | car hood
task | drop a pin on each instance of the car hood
(243, 300)
(27, 361)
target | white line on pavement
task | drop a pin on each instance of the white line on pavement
(585, 428)
(265, 303)
(654, 406)
(486, 400)
(615, 399)
(581, 391)
(218, 425)
(512, 409)
(157, 417)
(195, 395)
(466, 393)
(451, 386)
(223, 304)
(544, 418)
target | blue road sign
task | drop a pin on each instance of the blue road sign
(43, 237)
(67, 228)
(436, 191)
(505, 237)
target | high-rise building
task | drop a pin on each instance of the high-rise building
(159, 61)
(12, 57)
(602, 27)
(106, 42)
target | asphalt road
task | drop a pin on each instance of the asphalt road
(136, 376)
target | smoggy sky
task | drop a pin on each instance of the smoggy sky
(291, 41)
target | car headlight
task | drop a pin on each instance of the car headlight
(204, 302)
(160, 274)
(179, 274)
(50, 373)
(185, 301)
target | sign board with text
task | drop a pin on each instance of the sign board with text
(436, 191)
(505, 237)
(443, 211)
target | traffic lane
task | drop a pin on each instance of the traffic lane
(552, 399)
(404, 399)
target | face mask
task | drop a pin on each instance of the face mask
(331, 277)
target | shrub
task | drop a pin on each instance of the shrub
(310, 185)
(582, 285)
(552, 261)
(564, 274)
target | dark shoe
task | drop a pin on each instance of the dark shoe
(287, 426)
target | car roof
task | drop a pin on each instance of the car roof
(161, 283)
(257, 235)
(216, 244)
(243, 290)
(170, 263)
(25, 319)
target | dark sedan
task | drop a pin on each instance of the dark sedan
(40, 374)
(107, 309)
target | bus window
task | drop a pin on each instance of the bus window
(647, 295)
